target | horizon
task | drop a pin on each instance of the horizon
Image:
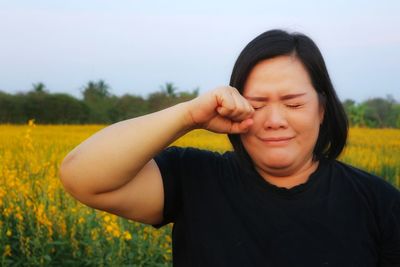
(145, 97)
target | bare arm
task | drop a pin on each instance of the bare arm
(113, 170)
(108, 159)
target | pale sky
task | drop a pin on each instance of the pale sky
(137, 46)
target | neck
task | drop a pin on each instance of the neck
(288, 178)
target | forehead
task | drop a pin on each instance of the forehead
(279, 74)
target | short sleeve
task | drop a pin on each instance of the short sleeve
(390, 246)
(169, 162)
(183, 171)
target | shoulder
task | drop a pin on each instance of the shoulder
(358, 174)
(366, 183)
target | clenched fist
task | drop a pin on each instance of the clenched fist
(222, 110)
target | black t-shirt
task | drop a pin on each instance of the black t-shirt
(227, 215)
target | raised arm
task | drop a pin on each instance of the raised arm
(113, 170)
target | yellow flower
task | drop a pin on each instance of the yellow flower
(31, 122)
(94, 233)
(7, 211)
(81, 220)
(9, 233)
(19, 216)
(7, 250)
(116, 233)
(109, 228)
(53, 209)
(127, 235)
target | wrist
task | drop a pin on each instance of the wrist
(187, 119)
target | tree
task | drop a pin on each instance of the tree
(169, 89)
(63, 108)
(39, 87)
(11, 109)
(34, 104)
(97, 96)
(158, 101)
(128, 106)
(186, 96)
(355, 113)
(96, 90)
(377, 112)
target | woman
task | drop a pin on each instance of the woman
(280, 199)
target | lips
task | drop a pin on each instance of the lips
(276, 139)
(279, 141)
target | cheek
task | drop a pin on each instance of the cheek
(306, 120)
(246, 138)
(308, 130)
(249, 141)
(255, 127)
(259, 119)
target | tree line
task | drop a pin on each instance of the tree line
(99, 105)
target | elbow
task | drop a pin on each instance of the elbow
(73, 182)
(68, 176)
(70, 181)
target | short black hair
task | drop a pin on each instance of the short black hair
(334, 129)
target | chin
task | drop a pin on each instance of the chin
(276, 165)
(277, 162)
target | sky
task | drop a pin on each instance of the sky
(138, 46)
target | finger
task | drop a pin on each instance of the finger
(226, 103)
(246, 110)
(236, 111)
(243, 108)
(241, 127)
(240, 108)
(242, 102)
(249, 107)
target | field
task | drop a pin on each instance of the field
(41, 225)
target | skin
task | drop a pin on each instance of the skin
(286, 121)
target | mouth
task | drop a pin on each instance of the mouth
(276, 140)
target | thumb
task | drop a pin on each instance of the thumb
(241, 127)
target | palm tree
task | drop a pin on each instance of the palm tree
(39, 87)
(169, 89)
(96, 90)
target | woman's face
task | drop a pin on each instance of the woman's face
(287, 116)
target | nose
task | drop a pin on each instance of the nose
(275, 118)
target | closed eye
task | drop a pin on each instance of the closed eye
(294, 106)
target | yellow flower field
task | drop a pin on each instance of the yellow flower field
(41, 225)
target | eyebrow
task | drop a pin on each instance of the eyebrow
(285, 97)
